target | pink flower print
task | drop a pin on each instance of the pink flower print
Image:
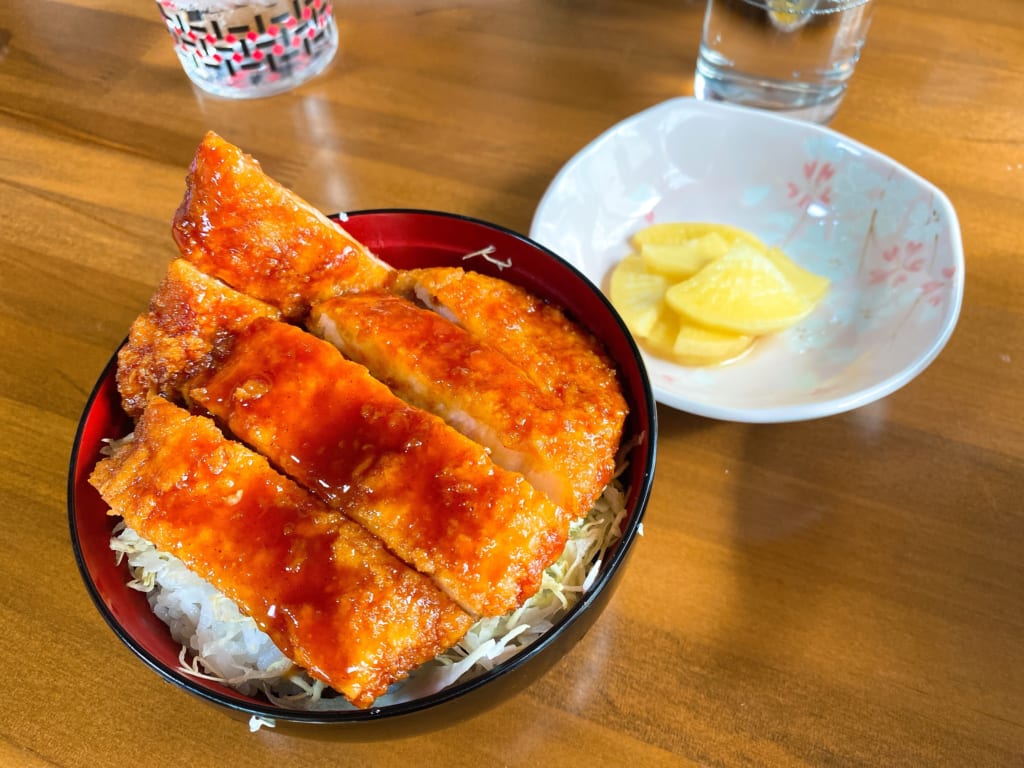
(815, 187)
(931, 290)
(900, 264)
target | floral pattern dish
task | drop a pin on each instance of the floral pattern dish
(887, 239)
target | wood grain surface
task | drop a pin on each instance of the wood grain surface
(841, 592)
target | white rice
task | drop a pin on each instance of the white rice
(220, 643)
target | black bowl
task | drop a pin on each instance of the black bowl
(405, 239)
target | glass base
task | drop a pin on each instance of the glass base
(814, 102)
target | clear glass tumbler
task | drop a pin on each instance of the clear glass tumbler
(244, 49)
(793, 56)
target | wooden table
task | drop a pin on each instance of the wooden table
(847, 591)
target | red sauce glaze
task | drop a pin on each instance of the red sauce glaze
(433, 496)
(326, 591)
(241, 226)
(554, 352)
(433, 363)
(190, 322)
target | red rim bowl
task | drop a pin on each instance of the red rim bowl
(406, 239)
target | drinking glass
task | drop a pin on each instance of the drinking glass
(793, 56)
(243, 49)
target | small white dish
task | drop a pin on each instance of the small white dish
(887, 239)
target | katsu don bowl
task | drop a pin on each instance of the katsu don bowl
(402, 240)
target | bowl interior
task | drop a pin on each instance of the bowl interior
(406, 239)
(888, 240)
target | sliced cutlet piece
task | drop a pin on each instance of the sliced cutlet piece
(327, 592)
(241, 226)
(191, 320)
(558, 355)
(432, 495)
(434, 364)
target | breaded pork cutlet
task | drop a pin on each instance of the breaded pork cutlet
(190, 322)
(433, 496)
(434, 364)
(559, 356)
(328, 593)
(240, 226)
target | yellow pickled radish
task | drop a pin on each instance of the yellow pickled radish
(676, 233)
(678, 260)
(637, 294)
(743, 292)
(683, 342)
(699, 294)
(810, 286)
(697, 345)
(662, 338)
